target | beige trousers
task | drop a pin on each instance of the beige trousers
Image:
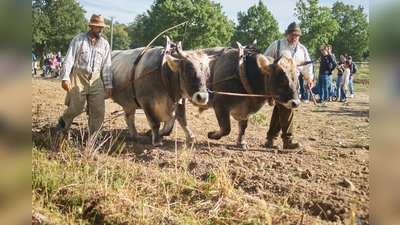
(85, 87)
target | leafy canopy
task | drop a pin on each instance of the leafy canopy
(258, 23)
(317, 25)
(54, 24)
(353, 35)
(207, 25)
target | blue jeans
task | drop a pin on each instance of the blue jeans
(351, 88)
(324, 82)
(339, 80)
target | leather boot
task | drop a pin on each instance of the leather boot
(271, 143)
(289, 144)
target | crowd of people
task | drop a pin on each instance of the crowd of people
(51, 67)
(324, 86)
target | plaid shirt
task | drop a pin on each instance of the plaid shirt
(84, 55)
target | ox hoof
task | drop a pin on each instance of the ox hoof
(214, 135)
(244, 146)
(160, 144)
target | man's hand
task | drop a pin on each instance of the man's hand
(66, 85)
(108, 93)
(309, 83)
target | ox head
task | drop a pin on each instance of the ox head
(193, 69)
(281, 79)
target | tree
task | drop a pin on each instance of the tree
(207, 26)
(258, 23)
(54, 24)
(317, 25)
(121, 40)
(353, 35)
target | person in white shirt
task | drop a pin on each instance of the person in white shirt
(345, 80)
(282, 117)
(86, 76)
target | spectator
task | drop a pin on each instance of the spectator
(282, 117)
(59, 60)
(339, 78)
(34, 67)
(54, 66)
(353, 70)
(33, 61)
(87, 76)
(345, 80)
(326, 67)
(330, 51)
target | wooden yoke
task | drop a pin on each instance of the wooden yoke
(164, 75)
(242, 70)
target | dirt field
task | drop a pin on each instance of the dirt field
(328, 177)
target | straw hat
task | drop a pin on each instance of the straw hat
(293, 28)
(97, 20)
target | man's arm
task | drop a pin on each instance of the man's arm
(107, 72)
(271, 50)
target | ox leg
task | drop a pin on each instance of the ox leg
(167, 128)
(224, 124)
(241, 138)
(130, 121)
(154, 124)
(180, 113)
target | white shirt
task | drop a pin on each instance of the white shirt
(300, 53)
(94, 58)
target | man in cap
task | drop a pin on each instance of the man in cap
(87, 76)
(282, 117)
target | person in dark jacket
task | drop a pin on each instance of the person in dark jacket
(327, 65)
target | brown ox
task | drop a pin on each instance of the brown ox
(187, 76)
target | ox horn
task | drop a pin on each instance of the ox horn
(303, 63)
(180, 51)
(277, 59)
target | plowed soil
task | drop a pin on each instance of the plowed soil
(328, 177)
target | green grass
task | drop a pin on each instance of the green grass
(73, 184)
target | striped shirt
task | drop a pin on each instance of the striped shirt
(84, 55)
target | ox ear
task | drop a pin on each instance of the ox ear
(173, 63)
(277, 59)
(303, 63)
(263, 63)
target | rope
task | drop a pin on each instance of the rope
(243, 95)
(228, 78)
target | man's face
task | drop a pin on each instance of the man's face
(293, 39)
(96, 31)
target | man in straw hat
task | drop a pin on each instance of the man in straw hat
(282, 117)
(87, 76)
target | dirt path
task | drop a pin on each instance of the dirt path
(328, 177)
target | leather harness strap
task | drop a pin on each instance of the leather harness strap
(164, 74)
(242, 70)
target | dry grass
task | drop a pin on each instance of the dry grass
(74, 184)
